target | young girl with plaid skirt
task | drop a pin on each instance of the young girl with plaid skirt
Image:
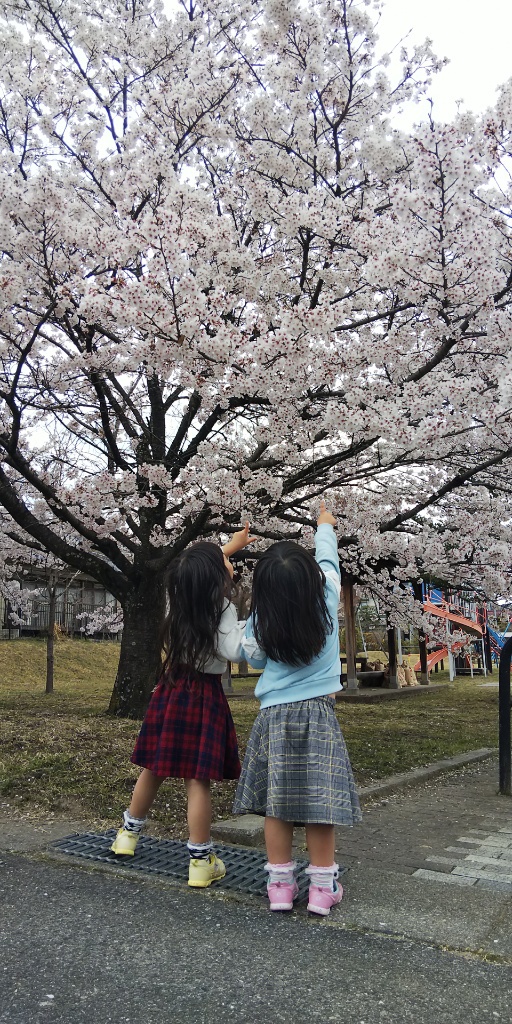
(188, 731)
(296, 769)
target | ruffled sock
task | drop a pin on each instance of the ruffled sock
(324, 878)
(281, 872)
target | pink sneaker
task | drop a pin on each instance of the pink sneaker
(282, 895)
(321, 899)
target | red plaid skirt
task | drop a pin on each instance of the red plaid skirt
(188, 731)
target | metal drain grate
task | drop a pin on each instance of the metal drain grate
(169, 857)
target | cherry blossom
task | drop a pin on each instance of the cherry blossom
(230, 284)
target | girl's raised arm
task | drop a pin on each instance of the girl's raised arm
(239, 540)
(325, 516)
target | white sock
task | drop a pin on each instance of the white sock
(323, 877)
(132, 824)
(281, 872)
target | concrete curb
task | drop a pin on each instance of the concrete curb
(247, 829)
(394, 783)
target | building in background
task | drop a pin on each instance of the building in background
(78, 597)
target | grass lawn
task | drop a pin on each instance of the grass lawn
(60, 754)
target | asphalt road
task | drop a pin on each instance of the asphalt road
(86, 947)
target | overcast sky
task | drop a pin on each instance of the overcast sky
(477, 37)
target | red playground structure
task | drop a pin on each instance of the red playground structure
(461, 612)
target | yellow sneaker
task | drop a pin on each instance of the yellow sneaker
(202, 872)
(125, 842)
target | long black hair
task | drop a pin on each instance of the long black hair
(198, 584)
(291, 618)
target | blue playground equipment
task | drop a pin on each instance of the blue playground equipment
(498, 639)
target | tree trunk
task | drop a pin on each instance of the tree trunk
(140, 657)
(50, 641)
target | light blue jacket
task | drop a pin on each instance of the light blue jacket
(280, 683)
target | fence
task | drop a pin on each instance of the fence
(67, 618)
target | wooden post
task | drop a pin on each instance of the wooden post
(50, 640)
(421, 638)
(393, 678)
(350, 631)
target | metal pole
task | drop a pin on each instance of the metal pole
(504, 718)
(399, 645)
(451, 657)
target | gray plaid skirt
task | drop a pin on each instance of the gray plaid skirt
(297, 768)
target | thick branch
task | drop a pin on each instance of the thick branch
(114, 581)
(451, 485)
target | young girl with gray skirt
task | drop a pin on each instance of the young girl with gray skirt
(296, 769)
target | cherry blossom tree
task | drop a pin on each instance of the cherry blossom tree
(230, 284)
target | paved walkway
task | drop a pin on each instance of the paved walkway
(438, 829)
(433, 863)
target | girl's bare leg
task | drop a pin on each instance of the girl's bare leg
(278, 840)
(143, 795)
(199, 809)
(320, 840)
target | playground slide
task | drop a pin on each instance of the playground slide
(499, 638)
(436, 656)
(460, 620)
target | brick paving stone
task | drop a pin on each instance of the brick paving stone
(475, 858)
(468, 841)
(440, 865)
(462, 851)
(472, 871)
(506, 855)
(447, 861)
(491, 862)
(488, 851)
(496, 840)
(491, 871)
(488, 883)
(438, 876)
